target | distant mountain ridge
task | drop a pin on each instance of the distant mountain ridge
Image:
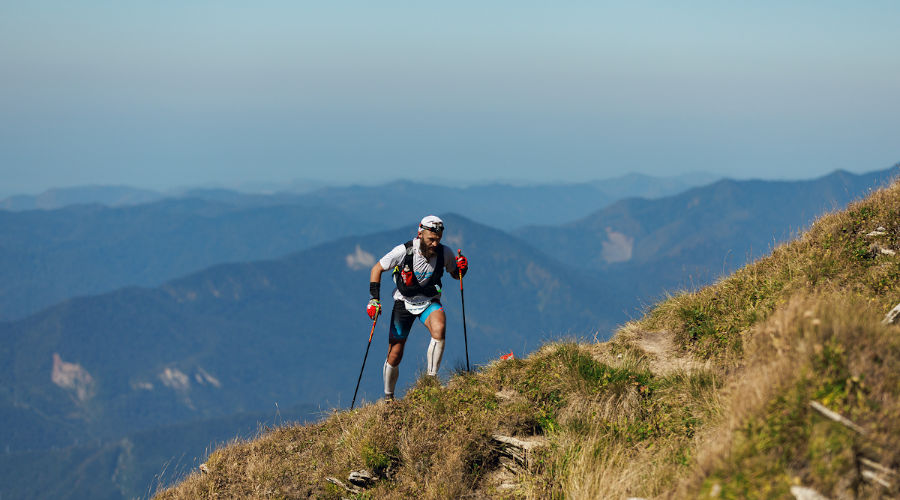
(47, 256)
(136, 464)
(293, 193)
(113, 196)
(693, 237)
(503, 206)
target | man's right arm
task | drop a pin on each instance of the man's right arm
(373, 308)
(392, 258)
(375, 281)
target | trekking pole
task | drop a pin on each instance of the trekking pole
(364, 361)
(462, 298)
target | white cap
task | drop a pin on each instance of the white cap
(433, 223)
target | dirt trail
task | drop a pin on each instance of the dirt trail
(666, 356)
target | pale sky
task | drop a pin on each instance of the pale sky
(173, 93)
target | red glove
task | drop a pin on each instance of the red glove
(373, 308)
(461, 263)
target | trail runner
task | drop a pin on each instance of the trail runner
(416, 268)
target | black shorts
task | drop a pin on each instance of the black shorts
(402, 320)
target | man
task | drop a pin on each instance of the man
(416, 267)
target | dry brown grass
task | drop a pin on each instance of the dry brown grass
(824, 348)
(608, 464)
(435, 443)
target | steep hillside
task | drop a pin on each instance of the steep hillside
(724, 392)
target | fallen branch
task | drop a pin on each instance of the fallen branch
(875, 478)
(892, 315)
(874, 472)
(361, 478)
(337, 482)
(836, 417)
(518, 450)
(877, 466)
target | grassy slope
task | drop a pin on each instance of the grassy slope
(708, 394)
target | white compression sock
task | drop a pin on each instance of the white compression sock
(435, 352)
(390, 373)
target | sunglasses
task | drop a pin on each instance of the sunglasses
(437, 228)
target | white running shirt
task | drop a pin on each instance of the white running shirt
(422, 268)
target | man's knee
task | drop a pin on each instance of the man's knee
(437, 325)
(395, 353)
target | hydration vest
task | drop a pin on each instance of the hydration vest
(432, 285)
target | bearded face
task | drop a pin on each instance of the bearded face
(430, 241)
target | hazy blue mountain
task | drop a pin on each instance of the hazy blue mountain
(49, 256)
(135, 465)
(112, 196)
(241, 337)
(500, 205)
(245, 199)
(646, 186)
(700, 234)
(447, 197)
